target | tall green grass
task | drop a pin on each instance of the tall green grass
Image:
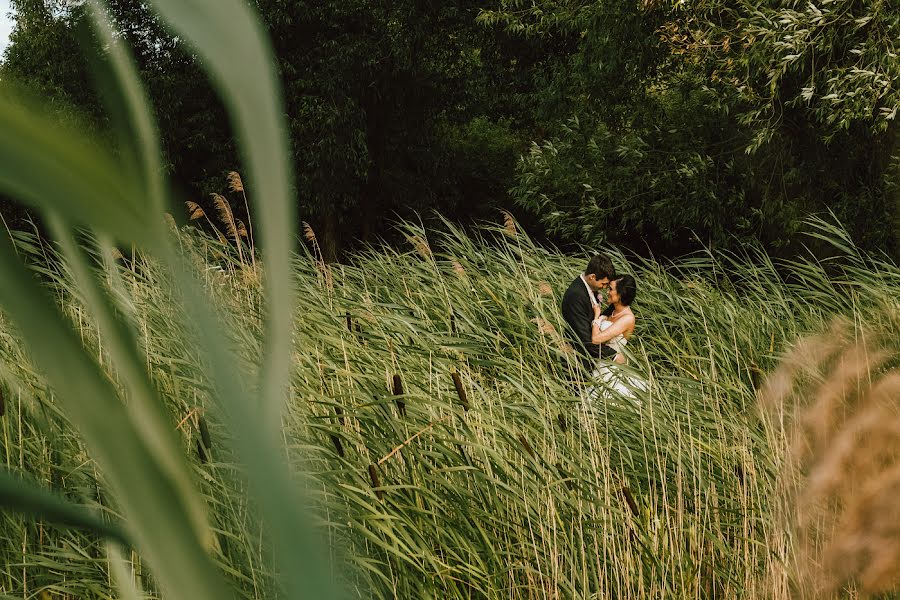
(505, 485)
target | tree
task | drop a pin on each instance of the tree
(712, 118)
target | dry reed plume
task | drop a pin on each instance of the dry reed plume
(195, 211)
(226, 215)
(421, 245)
(509, 224)
(235, 184)
(841, 479)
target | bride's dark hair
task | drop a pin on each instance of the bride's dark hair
(626, 287)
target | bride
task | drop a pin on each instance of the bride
(613, 327)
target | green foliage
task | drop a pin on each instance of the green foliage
(120, 196)
(461, 506)
(709, 121)
(833, 61)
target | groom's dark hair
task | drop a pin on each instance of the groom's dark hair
(600, 266)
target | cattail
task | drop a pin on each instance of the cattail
(629, 499)
(526, 445)
(739, 472)
(565, 475)
(234, 182)
(201, 453)
(376, 484)
(398, 391)
(509, 224)
(460, 390)
(204, 444)
(195, 211)
(338, 446)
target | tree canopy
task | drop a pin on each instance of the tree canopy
(653, 124)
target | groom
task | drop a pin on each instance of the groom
(578, 307)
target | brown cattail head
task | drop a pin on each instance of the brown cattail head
(565, 475)
(376, 484)
(509, 224)
(526, 445)
(398, 391)
(460, 390)
(204, 432)
(234, 182)
(195, 211)
(338, 446)
(201, 453)
(629, 500)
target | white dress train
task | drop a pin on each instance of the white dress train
(613, 383)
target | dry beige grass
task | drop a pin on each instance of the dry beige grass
(837, 398)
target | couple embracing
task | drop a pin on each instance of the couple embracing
(597, 308)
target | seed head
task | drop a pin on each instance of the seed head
(234, 182)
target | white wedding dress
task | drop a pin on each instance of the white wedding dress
(612, 382)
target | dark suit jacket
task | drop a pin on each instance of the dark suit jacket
(578, 312)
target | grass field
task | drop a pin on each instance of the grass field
(440, 415)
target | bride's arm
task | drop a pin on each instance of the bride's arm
(618, 327)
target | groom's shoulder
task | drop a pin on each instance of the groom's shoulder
(573, 288)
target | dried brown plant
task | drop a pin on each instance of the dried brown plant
(838, 398)
(195, 211)
(509, 224)
(545, 289)
(458, 268)
(226, 215)
(235, 184)
(421, 245)
(308, 233)
(544, 326)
